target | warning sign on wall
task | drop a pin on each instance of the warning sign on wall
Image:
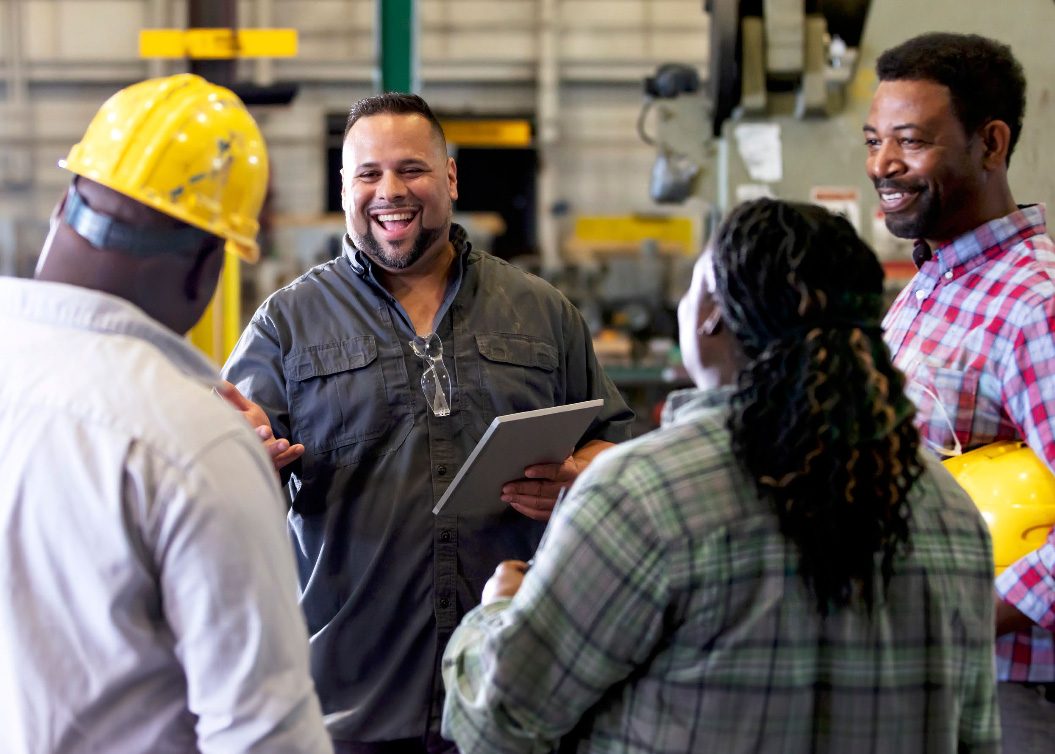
(839, 200)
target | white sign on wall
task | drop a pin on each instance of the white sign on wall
(839, 200)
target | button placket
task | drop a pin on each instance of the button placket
(445, 565)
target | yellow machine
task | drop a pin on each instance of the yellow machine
(1014, 490)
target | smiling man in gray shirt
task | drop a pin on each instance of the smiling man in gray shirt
(387, 364)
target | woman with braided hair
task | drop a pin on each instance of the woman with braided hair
(776, 569)
(819, 421)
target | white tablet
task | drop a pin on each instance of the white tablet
(512, 443)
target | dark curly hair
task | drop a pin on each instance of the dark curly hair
(984, 79)
(394, 103)
(819, 419)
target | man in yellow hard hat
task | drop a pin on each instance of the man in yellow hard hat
(149, 597)
(974, 331)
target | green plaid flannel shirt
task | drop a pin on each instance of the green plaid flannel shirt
(665, 613)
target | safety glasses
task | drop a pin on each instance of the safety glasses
(436, 381)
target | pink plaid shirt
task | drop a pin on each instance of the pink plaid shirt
(974, 333)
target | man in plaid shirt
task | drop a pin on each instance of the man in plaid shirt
(973, 330)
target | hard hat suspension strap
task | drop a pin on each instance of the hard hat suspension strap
(104, 232)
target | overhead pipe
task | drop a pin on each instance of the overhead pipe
(264, 68)
(158, 20)
(18, 171)
(547, 114)
(214, 14)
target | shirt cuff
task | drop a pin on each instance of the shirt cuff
(1028, 585)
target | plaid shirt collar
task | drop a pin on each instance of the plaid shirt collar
(986, 241)
(684, 403)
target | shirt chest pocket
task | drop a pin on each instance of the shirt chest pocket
(948, 407)
(339, 405)
(520, 372)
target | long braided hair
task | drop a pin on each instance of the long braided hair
(819, 419)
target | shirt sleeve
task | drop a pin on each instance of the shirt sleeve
(1029, 585)
(1028, 381)
(229, 595)
(587, 380)
(521, 674)
(1029, 385)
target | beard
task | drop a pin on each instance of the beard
(372, 248)
(921, 221)
(369, 245)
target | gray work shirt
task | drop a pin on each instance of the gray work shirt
(384, 580)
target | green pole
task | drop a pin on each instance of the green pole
(397, 48)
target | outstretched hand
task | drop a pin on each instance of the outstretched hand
(280, 450)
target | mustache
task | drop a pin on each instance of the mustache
(391, 207)
(890, 184)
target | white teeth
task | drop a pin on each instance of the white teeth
(395, 216)
(891, 197)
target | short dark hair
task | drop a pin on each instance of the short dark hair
(394, 103)
(984, 79)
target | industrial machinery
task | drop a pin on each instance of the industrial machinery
(1014, 490)
(768, 59)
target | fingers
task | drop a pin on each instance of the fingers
(505, 582)
(531, 493)
(264, 433)
(566, 471)
(515, 565)
(232, 395)
(543, 471)
(532, 499)
(280, 450)
(291, 454)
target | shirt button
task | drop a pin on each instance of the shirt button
(920, 295)
(948, 275)
(445, 603)
(441, 470)
(445, 535)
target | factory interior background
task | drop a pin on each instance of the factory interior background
(597, 140)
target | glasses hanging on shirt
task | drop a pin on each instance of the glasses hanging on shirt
(436, 381)
(910, 371)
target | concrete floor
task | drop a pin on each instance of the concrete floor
(1027, 719)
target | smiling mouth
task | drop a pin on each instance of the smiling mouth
(895, 201)
(394, 220)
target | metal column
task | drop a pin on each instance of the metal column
(397, 54)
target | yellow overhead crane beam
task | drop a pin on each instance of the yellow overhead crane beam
(217, 44)
(219, 327)
(488, 132)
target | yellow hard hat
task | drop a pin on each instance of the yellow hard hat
(1015, 492)
(185, 147)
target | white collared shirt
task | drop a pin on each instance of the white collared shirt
(149, 599)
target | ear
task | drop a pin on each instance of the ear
(200, 280)
(996, 138)
(452, 178)
(344, 192)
